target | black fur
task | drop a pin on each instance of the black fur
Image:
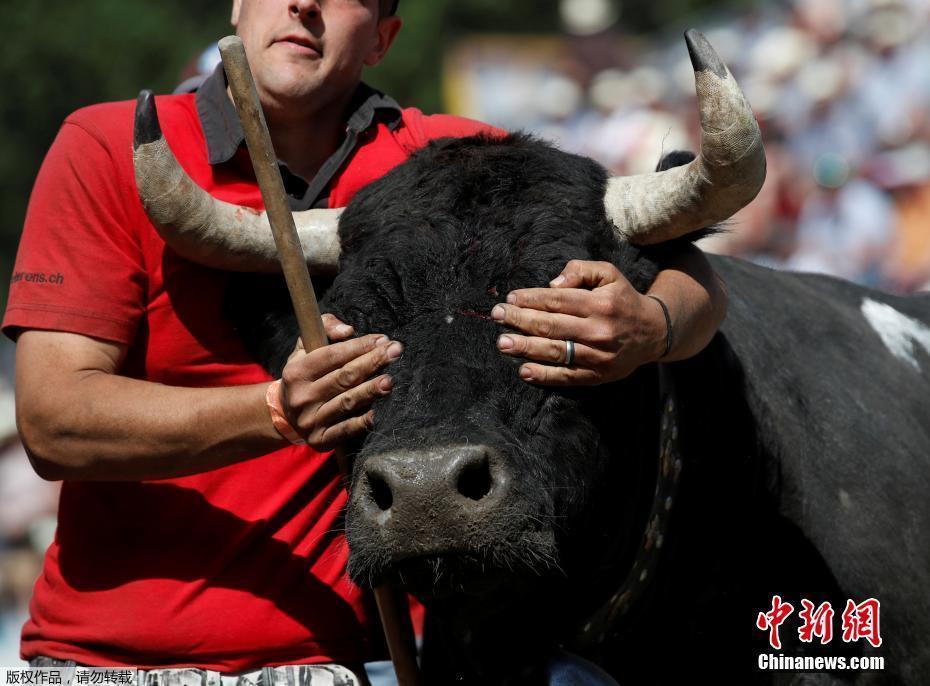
(429, 249)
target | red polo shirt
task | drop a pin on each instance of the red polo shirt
(230, 569)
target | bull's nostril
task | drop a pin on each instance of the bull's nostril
(380, 492)
(474, 481)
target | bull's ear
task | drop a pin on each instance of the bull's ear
(675, 158)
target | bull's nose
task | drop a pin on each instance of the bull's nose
(451, 482)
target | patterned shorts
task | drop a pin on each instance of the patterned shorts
(287, 675)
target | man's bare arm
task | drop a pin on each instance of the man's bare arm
(696, 299)
(80, 420)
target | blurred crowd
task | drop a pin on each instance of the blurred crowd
(841, 88)
(27, 524)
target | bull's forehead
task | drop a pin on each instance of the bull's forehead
(467, 216)
(453, 271)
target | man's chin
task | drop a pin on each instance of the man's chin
(292, 83)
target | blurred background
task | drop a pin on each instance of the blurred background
(841, 88)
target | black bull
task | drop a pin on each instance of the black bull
(516, 511)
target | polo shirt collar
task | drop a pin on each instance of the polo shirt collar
(223, 132)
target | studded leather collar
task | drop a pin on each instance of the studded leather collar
(602, 624)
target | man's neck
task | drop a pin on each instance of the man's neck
(304, 139)
(305, 145)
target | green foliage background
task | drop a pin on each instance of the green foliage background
(57, 56)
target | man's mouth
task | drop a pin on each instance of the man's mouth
(301, 45)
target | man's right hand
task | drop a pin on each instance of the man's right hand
(327, 393)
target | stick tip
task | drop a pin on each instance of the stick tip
(229, 42)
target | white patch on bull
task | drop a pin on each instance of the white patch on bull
(845, 500)
(900, 333)
(449, 319)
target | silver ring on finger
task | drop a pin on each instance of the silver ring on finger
(569, 352)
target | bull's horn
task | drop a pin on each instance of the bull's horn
(209, 231)
(725, 177)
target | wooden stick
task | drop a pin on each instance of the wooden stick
(265, 163)
(391, 607)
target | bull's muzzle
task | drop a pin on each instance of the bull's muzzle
(428, 502)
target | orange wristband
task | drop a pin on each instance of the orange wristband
(281, 425)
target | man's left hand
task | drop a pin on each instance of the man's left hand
(614, 328)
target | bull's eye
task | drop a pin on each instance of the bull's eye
(475, 480)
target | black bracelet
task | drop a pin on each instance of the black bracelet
(669, 337)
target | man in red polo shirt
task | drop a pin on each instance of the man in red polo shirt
(191, 532)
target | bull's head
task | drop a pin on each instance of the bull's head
(472, 478)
